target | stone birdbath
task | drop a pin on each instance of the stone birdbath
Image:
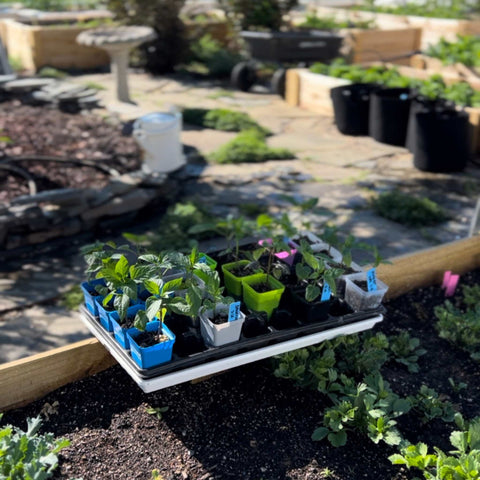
(117, 41)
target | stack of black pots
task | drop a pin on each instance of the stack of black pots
(433, 130)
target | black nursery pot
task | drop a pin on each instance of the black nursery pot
(441, 141)
(422, 104)
(389, 111)
(351, 104)
(255, 324)
(308, 312)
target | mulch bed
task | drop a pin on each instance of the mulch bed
(47, 131)
(245, 423)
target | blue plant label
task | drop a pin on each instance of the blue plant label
(171, 294)
(234, 311)
(371, 280)
(326, 292)
(203, 259)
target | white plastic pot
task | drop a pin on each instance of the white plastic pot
(158, 134)
(359, 299)
(217, 335)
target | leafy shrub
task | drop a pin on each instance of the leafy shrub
(218, 60)
(463, 463)
(169, 47)
(465, 50)
(222, 119)
(173, 229)
(28, 455)
(331, 23)
(262, 14)
(460, 327)
(249, 147)
(408, 210)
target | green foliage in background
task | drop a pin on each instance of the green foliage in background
(217, 60)
(222, 119)
(465, 50)
(173, 229)
(249, 147)
(72, 299)
(28, 455)
(59, 5)
(169, 48)
(461, 92)
(331, 23)
(408, 210)
(258, 14)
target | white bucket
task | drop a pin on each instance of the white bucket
(159, 136)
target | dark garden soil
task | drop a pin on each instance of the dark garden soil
(43, 131)
(245, 423)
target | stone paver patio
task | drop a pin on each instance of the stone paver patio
(342, 172)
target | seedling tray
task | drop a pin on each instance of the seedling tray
(216, 359)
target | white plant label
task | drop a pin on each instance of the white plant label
(371, 280)
(234, 311)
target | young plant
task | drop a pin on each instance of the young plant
(28, 454)
(214, 294)
(190, 305)
(429, 404)
(406, 350)
(462, 463)
(157, 305)
(188, 264)
(313, 271)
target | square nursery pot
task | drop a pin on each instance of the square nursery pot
(221, 334)
(308, 312)
(210, 262)
(148, 357)
(262, 301)
(119, 331)
(360, 299)
(233, 284)
(287, 257)
(89, 294)
(104, 314)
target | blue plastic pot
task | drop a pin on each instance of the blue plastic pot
(89, 294)
(104, 315)
(120, 332)
(149, 357)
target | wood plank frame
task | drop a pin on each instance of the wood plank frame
(23, 381)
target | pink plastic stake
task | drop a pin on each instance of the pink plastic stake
(446, 279)
(452, 285)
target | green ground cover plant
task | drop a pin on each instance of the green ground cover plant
(347, 371)
(249, 147)
(462, 463)
(461, 326)
(461, 92)
(28, 455)
(222, 119)
(408, 210)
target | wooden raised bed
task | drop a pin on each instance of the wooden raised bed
(311, 91)
(432, 28)
(37, 46)
(28, 379)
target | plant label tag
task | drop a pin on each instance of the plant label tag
(234, 311)
(170, 294)
(446, 278)
(452, 285)
(203, 259)
(326, 292)
(371, 280)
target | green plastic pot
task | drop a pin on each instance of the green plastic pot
(262, 302)
(233, 284)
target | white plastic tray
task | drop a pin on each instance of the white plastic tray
(191, 373)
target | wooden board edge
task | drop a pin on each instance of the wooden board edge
(28, 379)
(31, 378)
